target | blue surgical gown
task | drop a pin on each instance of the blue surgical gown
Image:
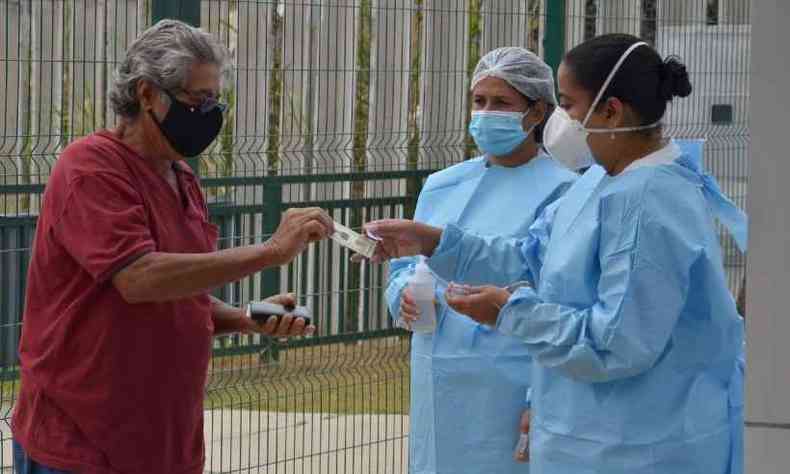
(635, 335)
(468, 383)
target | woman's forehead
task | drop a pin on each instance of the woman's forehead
(495, 86)
(567, 85)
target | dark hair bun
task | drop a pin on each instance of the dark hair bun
(674, 79)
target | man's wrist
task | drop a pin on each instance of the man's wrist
(271, 254)
(229, 319)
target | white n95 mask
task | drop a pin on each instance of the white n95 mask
(566, 138)
(566, 141)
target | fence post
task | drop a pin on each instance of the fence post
(554, 35)
(273, 210)
(187, 11)
(270, 278)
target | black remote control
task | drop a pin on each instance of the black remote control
(261, 311)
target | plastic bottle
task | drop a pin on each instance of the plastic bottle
(423, 289)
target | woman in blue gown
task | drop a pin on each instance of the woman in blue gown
(462, 367)
(636, 340)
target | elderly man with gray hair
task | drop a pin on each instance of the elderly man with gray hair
(118, 321)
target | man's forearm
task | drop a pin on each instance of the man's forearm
(158, 276)
(431, 237)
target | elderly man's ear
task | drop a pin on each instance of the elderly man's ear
(148, 95)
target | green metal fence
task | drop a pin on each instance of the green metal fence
(343, 104)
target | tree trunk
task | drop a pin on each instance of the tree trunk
(24, 104)
(227, 138)
(361, 115)
(67, 55)
(473, 56)
(275, 91)
(100, 91)
(415, 77)
(143, 15)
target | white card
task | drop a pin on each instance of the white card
(353, 240)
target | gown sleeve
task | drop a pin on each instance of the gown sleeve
(648, 248)
(493, 260)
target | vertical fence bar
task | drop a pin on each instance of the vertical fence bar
(270, 278)
(187, 11)
(554, 36)
(272, 200)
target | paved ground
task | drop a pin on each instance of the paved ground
(5, 448)
(286, 443)
(261, 442)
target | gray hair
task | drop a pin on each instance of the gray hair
(163, 55)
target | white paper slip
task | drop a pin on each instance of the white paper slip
(355, 241)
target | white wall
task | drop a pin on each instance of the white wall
(768, 324)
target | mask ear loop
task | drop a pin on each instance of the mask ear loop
(610, 78)
(524, 115)
(532, 128)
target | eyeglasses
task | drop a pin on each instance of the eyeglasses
(205, 104)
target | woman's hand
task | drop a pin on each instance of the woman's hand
(522, 448)
(409, 312)
(481, 303)
(401, 238)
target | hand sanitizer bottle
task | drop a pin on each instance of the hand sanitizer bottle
(423, 289)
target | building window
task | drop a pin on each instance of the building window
(721, 114)
(712, 12)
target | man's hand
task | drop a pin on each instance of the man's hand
(288, 326)
(481, 303)
(298, 228)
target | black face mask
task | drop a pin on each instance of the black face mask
(188, 128)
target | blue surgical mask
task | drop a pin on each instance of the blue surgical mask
(498, 133)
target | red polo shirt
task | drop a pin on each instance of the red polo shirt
(109, 386)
